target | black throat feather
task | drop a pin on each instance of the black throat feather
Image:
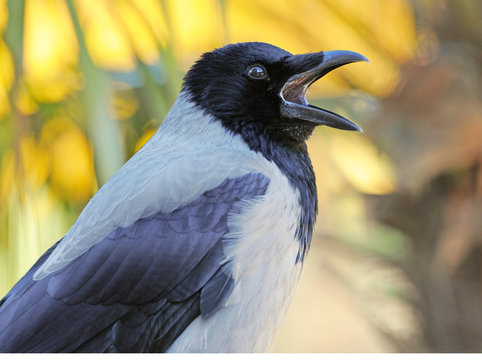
(294, 162)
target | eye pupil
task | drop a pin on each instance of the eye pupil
(257, 72)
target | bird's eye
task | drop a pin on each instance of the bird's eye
(257, 72)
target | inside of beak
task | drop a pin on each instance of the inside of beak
(295, 90)
(296, 87)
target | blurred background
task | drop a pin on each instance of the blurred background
(396, 260)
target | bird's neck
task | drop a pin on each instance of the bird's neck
(294, 162)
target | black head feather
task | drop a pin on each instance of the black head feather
(220, 84)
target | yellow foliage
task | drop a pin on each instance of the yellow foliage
(72, 172)
(123, 102)
(4, 103)
(108, 46)
(115, 31)
(197, 26)
(366, 168)
(138, 31)
(7, 69)
(35, 161)
(50, 50)
(7, 77)
(390, 23)
(154, 17)
(8, 175)
(329, 180)
(313, 25)
(3, 15)
(35, 167)
(24, 101)
(62, 152)
(36, 219)
(143, 139)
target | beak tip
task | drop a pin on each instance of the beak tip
(356, 128)
(359, 57)
(343, 57)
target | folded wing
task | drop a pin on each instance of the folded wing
(138, 288)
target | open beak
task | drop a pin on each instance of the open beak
(293, 94)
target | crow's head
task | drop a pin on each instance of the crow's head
(259, 89)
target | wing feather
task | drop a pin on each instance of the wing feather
(138, 288)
